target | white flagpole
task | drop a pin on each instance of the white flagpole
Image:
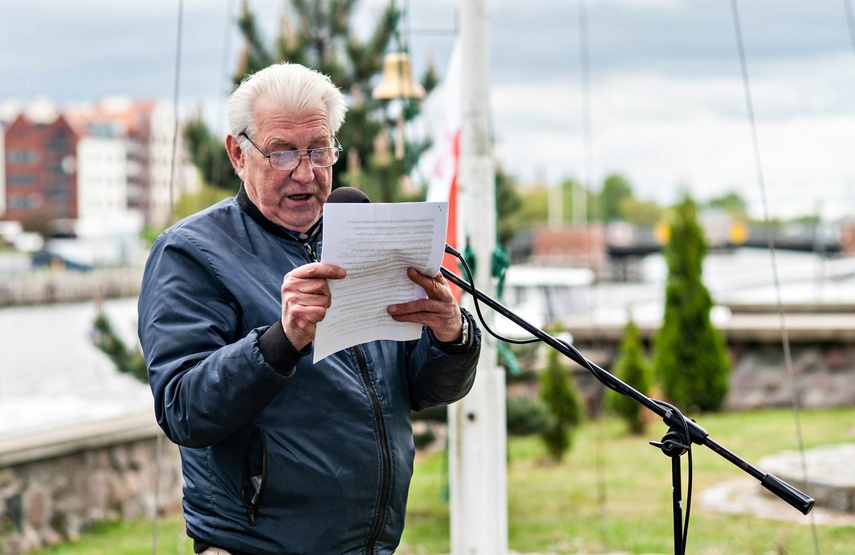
(477, 429)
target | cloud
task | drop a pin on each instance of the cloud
(666, 132)
(667, 100)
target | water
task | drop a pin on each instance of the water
(741, 276)
(51, 374)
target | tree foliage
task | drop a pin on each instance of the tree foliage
(615, 189)
(632, 368)
(615, 201)
(320, 34)
(562, 401)
(378, 155)
(691, 360)
(127, 360)
(209, 155)
(508, 203)
(641, 212)
(732, 203)
(535, 202)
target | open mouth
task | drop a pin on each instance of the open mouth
(299, 197)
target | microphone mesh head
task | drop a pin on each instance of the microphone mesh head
(344, 195)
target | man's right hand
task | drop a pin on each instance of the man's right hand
(305, 299)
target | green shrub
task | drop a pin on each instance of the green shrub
(424, 439)
(562, 401)
(691, 360)
(632, 368)
(525, 417)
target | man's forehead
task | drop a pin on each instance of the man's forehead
(267, 107)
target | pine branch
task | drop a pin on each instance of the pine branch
(127, 361)
(256, 56)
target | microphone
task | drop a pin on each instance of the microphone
(345, 195)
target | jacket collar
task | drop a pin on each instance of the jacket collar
(251, 210)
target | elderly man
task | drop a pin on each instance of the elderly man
(280, 455)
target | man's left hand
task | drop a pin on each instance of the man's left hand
(439, 311)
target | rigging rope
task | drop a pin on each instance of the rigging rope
(216, 168)
(785, 339)
(850, 22)
(175, 113)
(583, 209)
(175, 95)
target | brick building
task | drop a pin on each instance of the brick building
(40, 171)
(103, 162)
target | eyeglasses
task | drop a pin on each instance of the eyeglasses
(287, 160)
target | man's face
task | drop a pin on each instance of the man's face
(293, 199)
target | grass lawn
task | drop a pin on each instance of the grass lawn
(611, 493)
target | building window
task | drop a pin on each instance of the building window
(23, 202)
(20, 180)
(59, 141)
(21, 157)
(58, 193)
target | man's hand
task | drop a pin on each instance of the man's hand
(305, 300)
(439, 311)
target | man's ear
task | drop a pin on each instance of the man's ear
(235, 153)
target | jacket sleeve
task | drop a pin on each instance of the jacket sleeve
(206, 381)
(441, 373)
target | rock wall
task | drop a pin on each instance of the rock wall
(823, 375)
(51, 490)
(57, 286)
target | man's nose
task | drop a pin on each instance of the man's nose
(304, 171)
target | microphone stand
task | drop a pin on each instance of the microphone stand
(681, 430)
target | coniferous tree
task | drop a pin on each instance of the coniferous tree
(615, 190)
(127, 360)
(319, 34)
(508, 203)
(209, 155)
(564, 407)
(632, 368)
(691, 360)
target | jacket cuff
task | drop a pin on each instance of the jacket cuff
(278, 351)
(452, 347)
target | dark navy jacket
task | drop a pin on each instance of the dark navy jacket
(279, 455)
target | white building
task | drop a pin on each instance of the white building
(102, 174)
(125, 159)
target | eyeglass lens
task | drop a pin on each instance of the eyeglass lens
(290, 159)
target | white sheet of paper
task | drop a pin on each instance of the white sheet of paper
(376, 243)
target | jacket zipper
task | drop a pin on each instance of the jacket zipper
(385, 457)
(384, 453)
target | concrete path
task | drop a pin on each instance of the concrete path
(830, 481)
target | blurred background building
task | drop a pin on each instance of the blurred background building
(90, 175)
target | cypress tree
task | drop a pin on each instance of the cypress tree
(559, 395)
(691, 362)
(632, 368)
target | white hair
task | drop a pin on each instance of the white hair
(292, 86)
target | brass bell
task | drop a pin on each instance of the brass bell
(396, 81)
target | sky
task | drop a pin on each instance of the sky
(667, 106)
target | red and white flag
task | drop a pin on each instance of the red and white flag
(442, 118)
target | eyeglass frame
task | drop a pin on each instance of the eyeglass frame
(307, 152)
